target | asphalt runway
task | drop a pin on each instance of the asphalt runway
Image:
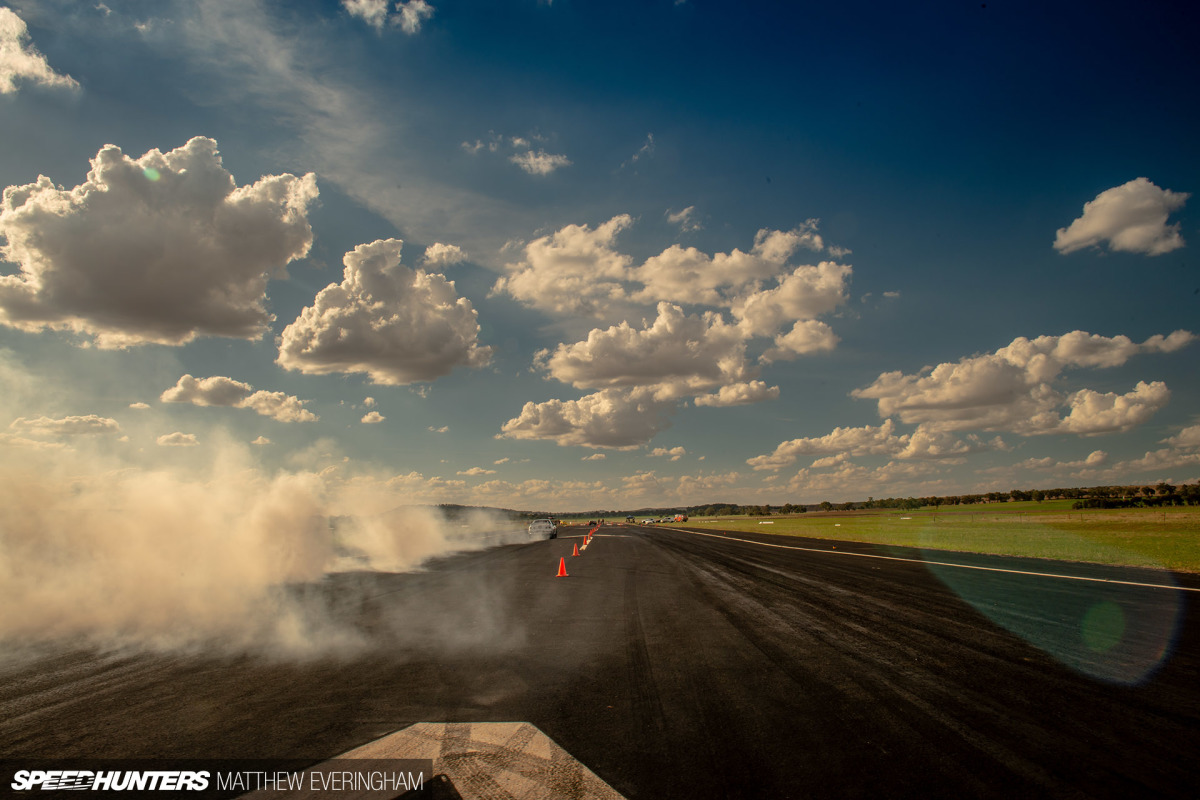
(680, 665)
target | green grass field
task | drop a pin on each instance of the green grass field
(1167, 537)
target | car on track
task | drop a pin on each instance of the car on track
(543, 527)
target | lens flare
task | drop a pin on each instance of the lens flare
(1102, 628)
(151, 174)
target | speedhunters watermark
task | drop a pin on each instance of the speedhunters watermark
(410, 779)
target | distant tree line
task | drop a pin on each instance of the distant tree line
(1133, 496)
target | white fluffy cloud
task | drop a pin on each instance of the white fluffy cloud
(1130, 218)
(539, 163)
(739, 394)
(1095, 413)
(621, 419)
(685, 219)
(578, 270)
(412, 15)
(1188, 438)
(373, 12)
(807, 336)
(841, 444)
(221, 391)
(1011, 388)
(850, 481)
(804, 294)
(1095, 459)
(160, 249)
(572, 271)
(444, 255)
(679, 273)
(409, 15)
(90, 425)
(476, 471)
(372, 418)
(397, 325)
(676, 355)
(19, 59)
(674, 453)
(177, 439)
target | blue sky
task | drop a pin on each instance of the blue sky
(652, 254)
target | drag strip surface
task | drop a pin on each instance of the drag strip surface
(678, 665)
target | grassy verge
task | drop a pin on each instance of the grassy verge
(1167, 538)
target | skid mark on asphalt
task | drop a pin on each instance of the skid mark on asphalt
(647, 707)
(944, 563)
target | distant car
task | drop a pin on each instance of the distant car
(647, 522)
(543, 527)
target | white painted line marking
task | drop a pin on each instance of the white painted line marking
(943, 563)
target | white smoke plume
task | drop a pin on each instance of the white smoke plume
(94, 552)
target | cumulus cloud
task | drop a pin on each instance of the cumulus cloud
(90, 425)
(1095, 459)
(804, 294)
(373, 12)
(575, 270)
(1188, 438)
(373, 418)
(409, 15)
(139, 406)
(869, 440)
(700, 488)
(412, 15)
(806, 337)
(444, 255)
(221, 391)
(1156, 460)
(1011, 388)
(853, 481)
(20, 61)
(676, 355)
(1094, 413)
(177, 439)
(475, 471)
(159, 249)
(594, 457)
(739, 394)
(397, 325)
(261, 440)
(1131, 218)
(680, 272)
(686, 219)
(539, 163)
(578, 270)
(620, 419)
(674, 453)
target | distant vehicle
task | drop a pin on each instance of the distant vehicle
(543, 527)
(629, 519)
(647, 522)
(681, 517)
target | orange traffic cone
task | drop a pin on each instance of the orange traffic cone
(577, 548)
(562, 568)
